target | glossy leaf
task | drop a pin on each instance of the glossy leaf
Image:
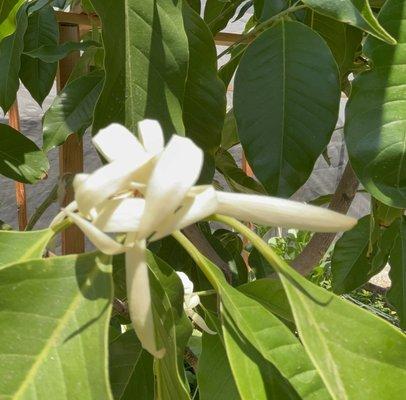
(217, 13)
(8, 14)
(131, 369)
(36, 75)
(342, 39)
(145, 63)
(376, 114)
(397, 293)
(72, 109)
(20, 246)
(354, 12)
(54, 53)
(286, 102)
(65, 303)
(20, 159)
(11, 49)
(172, 329)
(204, 105)
(214, 375)
(265, 9)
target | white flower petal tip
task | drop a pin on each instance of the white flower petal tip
(151, 136)
(116, 142)
(274, 211)
(102, 241)
(200, 322)
(186, 282)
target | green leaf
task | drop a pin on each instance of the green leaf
(236, 178)
(270, 293)
(36, 75)
(8, 14)
(226, 72)
(217, 13)
(343, 39)
(72, 109)
(359, 255)
(353, 12)
(54, 326)
(131, 369)
(20, 159)
(172, 329)
(257, 342)
(286, 101)
(259, 265)
(146, 63)
(265, 9)
(216, 381)
(376, 114)
(20, 246)
(11, 48)
(229, 135)
(204, 104)
(54, 53)
(397, 293)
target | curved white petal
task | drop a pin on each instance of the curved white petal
(72, 206)
(151, 136)
(119, 215)
(280, 212)
(102, 241)
(199, 321)
(139, 298)
(186, 282)
(191, 301)
(193, 209)
(175, 172)
(116, 142)
(105, 182)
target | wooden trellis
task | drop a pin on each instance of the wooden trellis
(71, 25)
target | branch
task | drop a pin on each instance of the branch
(194, 234)
(321, 242)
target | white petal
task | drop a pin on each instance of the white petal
(193, 209)
(105, 182)
(151, 136)
(119, 215)
(175, 172)
(73, 206)
(116, 142)
(199, 321)
(102, 241)
(274, 211)
(192, 300)
(139, 299)
(186, 282)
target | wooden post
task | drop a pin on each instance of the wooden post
(21, 198)
(71, 153)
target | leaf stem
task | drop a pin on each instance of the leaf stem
(261, 27)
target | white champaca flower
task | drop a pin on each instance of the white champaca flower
(146, 191)
(192, 300)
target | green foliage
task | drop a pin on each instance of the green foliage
(8, 13)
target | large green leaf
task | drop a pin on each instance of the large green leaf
(20, 158)
(354, 12)
(359, 255)
(36, 75)
(54, 317)
(265, 9)
(131, 369)
(375, 128)
(72, 109)
(214, 375)
(10, 60)
(172, 329)
(204, 104)
(258, 343)
(397, 274)
(20, 246)
(358, 355)
(286, 101)
(342, 39)
(146, 63)
(8, 13)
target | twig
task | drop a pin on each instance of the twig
(321, 242)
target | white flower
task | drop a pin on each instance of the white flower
(147, 191)
(192, 300)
